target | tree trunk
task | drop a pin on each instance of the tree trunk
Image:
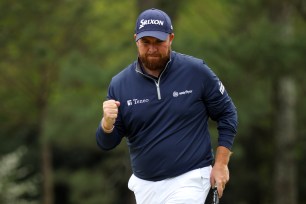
(285, 181)
(48, 196)
(46, 151)
(285, 186)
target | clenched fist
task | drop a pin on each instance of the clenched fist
(110, 113)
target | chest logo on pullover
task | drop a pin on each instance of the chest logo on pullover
(177, 94)
(137, 101)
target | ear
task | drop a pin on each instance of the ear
(171, 37)
(136, 42)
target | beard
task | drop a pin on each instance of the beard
(154, 61)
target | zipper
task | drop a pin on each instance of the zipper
(156, 82)
(158, 90)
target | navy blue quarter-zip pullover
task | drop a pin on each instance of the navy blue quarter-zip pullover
(165, 120)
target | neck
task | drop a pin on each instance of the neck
(154, 73)
(149, 71)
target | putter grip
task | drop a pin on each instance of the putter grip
(215, 196)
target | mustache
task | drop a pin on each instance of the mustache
(153, 55)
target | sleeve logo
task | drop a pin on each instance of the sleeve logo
(221, 88)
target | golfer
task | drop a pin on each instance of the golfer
(161, 104)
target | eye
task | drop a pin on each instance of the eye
(143, 41)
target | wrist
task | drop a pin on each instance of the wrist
(222, 156)
(106, 129)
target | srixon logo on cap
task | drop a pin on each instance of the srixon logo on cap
(144, 22)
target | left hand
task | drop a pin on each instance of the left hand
(219, 177)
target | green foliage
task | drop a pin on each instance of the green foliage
(242, 44)
(57, 59)
(73, 103)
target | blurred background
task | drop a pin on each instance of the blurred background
(57, 59)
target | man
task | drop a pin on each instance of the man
(161, 103)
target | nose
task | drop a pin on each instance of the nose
(152, 48)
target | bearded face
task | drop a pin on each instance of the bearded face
(154, 53)
(155, 61)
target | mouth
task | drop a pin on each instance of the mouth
(153, 56)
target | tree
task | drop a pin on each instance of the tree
(285, 184)
(44, 43)
(56, 61)
(247, 48)
(279, 56)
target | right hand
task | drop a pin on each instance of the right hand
(110, 113)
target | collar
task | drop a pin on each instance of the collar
(139, 68)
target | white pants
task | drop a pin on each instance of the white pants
(189, 188)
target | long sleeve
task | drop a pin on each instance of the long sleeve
(107, 141)
(221, 109)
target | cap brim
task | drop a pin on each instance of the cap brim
(156, 34)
